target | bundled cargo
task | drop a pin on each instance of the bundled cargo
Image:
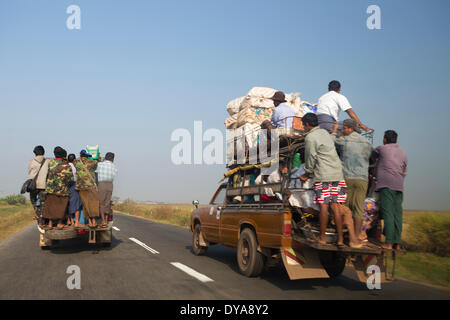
(293, 100)
(93, 151)
(309, 107)
(231, 122)
(254, 115)
(234, 106)
(259, 97)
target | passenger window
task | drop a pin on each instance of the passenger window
(220, 197)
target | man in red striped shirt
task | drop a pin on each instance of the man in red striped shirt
(322, 162)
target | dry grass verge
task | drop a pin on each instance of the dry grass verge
(13, 218)
(178, 214)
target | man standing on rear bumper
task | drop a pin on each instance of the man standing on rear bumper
(391, 171)
(106, 172)
(322, 162)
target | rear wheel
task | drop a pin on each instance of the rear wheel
(333, 263)
(56, 234)
(196, 247)
(250, 261)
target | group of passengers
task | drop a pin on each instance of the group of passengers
(66, 185)
(336, 170)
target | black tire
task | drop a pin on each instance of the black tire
(250, 261)
(196, 247)
(106, 244)
(55, 234)
(45, 248)
(333, 263)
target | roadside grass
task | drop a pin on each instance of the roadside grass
(424, 267)
(14, 217)
(426, 234)
(175, 214)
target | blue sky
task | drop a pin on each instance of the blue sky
(137, 70)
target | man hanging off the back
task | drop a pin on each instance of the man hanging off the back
(87, 186)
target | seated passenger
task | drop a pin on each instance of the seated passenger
(275, 177)
(302, 193)
(283, 115)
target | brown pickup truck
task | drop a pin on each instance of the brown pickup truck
(267, 232)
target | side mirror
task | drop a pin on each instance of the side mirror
(195, 203)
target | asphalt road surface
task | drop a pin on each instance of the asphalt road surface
(149, 260)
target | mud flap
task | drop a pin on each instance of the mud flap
(302, 263)
(91, 235)
(361, 263)
(43, 241)
(104, 236)
(202, 241)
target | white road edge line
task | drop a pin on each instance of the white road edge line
(144, 245)
(191, 272)
(115, 228)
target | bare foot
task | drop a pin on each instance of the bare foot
(355, 245)
(386, 246)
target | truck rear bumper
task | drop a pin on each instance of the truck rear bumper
(102, 235)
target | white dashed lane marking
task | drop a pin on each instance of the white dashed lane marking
(115, 228)
(144, 246)
(191, 272)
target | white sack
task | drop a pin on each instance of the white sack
(293, 100)
(231, 122)
(233, 106)
(259, 97)
(254, 115)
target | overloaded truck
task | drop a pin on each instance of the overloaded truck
(48, 238)
(265, 233)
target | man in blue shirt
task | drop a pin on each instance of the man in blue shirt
(283, 115)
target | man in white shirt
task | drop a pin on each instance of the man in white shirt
(331, 103)
(38, 166)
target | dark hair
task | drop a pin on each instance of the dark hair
(39, 150)
(60, 152)
(311, 119)
(302, 156)
(390, 136)
(71, 157)
(334, 85)
(109, 156)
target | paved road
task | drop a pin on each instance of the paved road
(162, 266)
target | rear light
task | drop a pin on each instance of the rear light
(287, 223)
(110, 217)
